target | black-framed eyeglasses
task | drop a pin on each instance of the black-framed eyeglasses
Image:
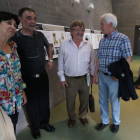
(35, 46)
(78, 30)
(31, 57)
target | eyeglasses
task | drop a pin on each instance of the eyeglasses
(35, 55)
(78, 30)
(29, 54)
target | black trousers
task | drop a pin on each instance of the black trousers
(37, 93)
(14, 119)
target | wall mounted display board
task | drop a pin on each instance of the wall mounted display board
(95, 40)
(87, 35)
(67, 32)
(55, 36)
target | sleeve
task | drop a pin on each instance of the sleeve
(21, 84)
(3, 78)
(92, 60)
(61, 63)
(126, 47)
(46, 43)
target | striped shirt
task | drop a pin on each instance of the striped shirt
(112, 49)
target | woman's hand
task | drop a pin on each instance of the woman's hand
(24, 98)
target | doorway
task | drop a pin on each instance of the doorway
(137, 40)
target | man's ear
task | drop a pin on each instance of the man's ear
(19, 18)
(111, 24)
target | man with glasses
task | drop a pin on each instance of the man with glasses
(75, 63)
(30, 47)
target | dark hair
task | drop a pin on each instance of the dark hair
(8, 16)
(77, 23)
(22, 10)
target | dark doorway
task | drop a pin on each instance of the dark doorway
(137, 40)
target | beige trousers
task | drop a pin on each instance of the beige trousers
(77, 85)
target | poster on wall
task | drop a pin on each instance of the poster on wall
(67, 33)
(55, 38)
(95, 40)
(87, 36)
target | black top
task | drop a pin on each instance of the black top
(31, 52)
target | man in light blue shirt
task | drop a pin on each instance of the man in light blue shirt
(112, 47)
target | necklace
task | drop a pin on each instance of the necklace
(34, 46)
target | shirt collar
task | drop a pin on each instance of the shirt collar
(19, 34)
(112, 34)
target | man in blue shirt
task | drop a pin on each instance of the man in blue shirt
(112, 47)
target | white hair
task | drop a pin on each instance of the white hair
(109, 17)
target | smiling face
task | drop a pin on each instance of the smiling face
(8, 28)
(77, 33)
(28, 20)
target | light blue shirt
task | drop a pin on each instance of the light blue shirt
(112, 49)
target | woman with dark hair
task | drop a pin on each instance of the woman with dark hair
(12, 95)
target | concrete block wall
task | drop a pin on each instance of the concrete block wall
(61, 12)
(128, 14)
(58, 12)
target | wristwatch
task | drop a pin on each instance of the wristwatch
(50, 60)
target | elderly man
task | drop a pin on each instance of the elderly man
(30, 47)
(75, 62)
(112, 47)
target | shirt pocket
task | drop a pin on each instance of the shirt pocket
(86, 57)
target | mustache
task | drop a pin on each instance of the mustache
(32, 24)
(79, 34)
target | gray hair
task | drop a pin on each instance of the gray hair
(109, 17)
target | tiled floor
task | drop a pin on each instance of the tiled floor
(129, 127)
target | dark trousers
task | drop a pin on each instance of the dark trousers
(14, 119)
(37, 93)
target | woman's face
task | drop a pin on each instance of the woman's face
(8, 28)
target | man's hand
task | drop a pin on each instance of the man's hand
(113, 78)
(24, 98)
(95, 79)
(49, 65)
(64, 84)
